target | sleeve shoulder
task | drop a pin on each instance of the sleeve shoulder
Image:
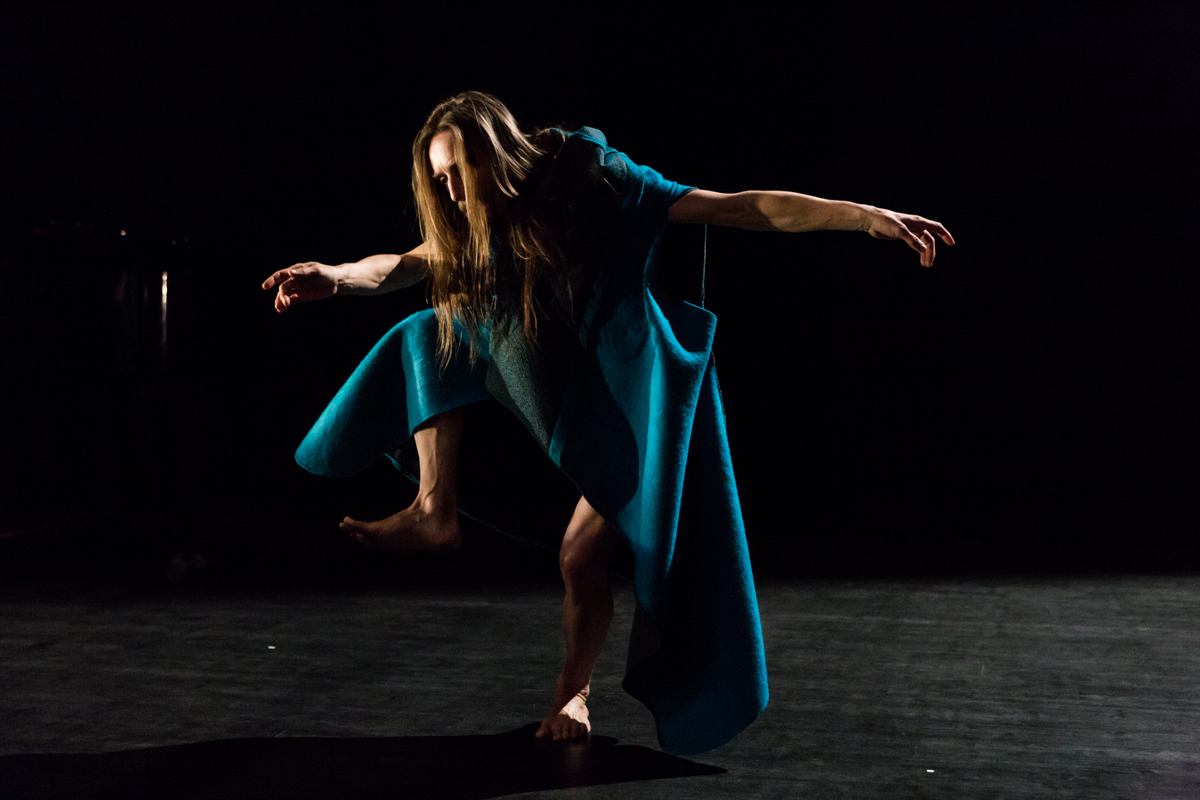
(591, 167)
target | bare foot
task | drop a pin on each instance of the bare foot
(568, 717)
(421, 526)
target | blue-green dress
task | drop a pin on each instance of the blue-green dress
(624, 402)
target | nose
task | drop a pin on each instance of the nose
(454, 185)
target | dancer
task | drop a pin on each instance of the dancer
(539, 250)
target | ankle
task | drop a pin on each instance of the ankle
(570, 684)
(436, 504)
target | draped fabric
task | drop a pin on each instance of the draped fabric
(625, 402)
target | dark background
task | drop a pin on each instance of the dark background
(1026, 405)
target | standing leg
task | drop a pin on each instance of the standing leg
(587, 612)
(431, 522)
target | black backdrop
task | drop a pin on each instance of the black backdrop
(1027, 402)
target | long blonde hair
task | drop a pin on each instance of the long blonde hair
(493, 158)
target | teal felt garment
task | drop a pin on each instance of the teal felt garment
(625, 402)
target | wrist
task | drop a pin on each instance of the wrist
(343, 278)
(863, 217)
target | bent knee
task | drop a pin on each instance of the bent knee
(585, 553)
(579, 566)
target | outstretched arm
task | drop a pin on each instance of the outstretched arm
(379, 274)
(799, 213)
(384, 273)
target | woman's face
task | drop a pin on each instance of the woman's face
(445, 170)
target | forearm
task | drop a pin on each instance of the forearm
(382, 273)
(799, 213)
(771, 211)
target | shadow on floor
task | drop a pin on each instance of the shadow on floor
(418, 766)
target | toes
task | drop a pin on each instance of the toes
(361, 531)
(570, 729)
(362, 535)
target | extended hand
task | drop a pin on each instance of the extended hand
(919, 233)
(301, 283)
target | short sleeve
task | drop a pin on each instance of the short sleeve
(612, 210)
(642, 191)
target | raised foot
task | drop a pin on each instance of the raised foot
(567, 720)
(414, 528)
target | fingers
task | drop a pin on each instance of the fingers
(284, 280)
(935, 229)
(279, 276)
(275, 278)
(285, 294)
(942, 232)
(925, 242)
(919, 233)
(915, 241)
(924, 249)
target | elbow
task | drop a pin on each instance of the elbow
(755, 213)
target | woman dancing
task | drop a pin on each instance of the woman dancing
(539, 250)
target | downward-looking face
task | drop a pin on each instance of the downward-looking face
(444, 169)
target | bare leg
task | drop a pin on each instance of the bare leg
(587, 612)
(431, 522)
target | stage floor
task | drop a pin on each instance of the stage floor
(989, 688)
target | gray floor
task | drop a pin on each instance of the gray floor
(1066, 688)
